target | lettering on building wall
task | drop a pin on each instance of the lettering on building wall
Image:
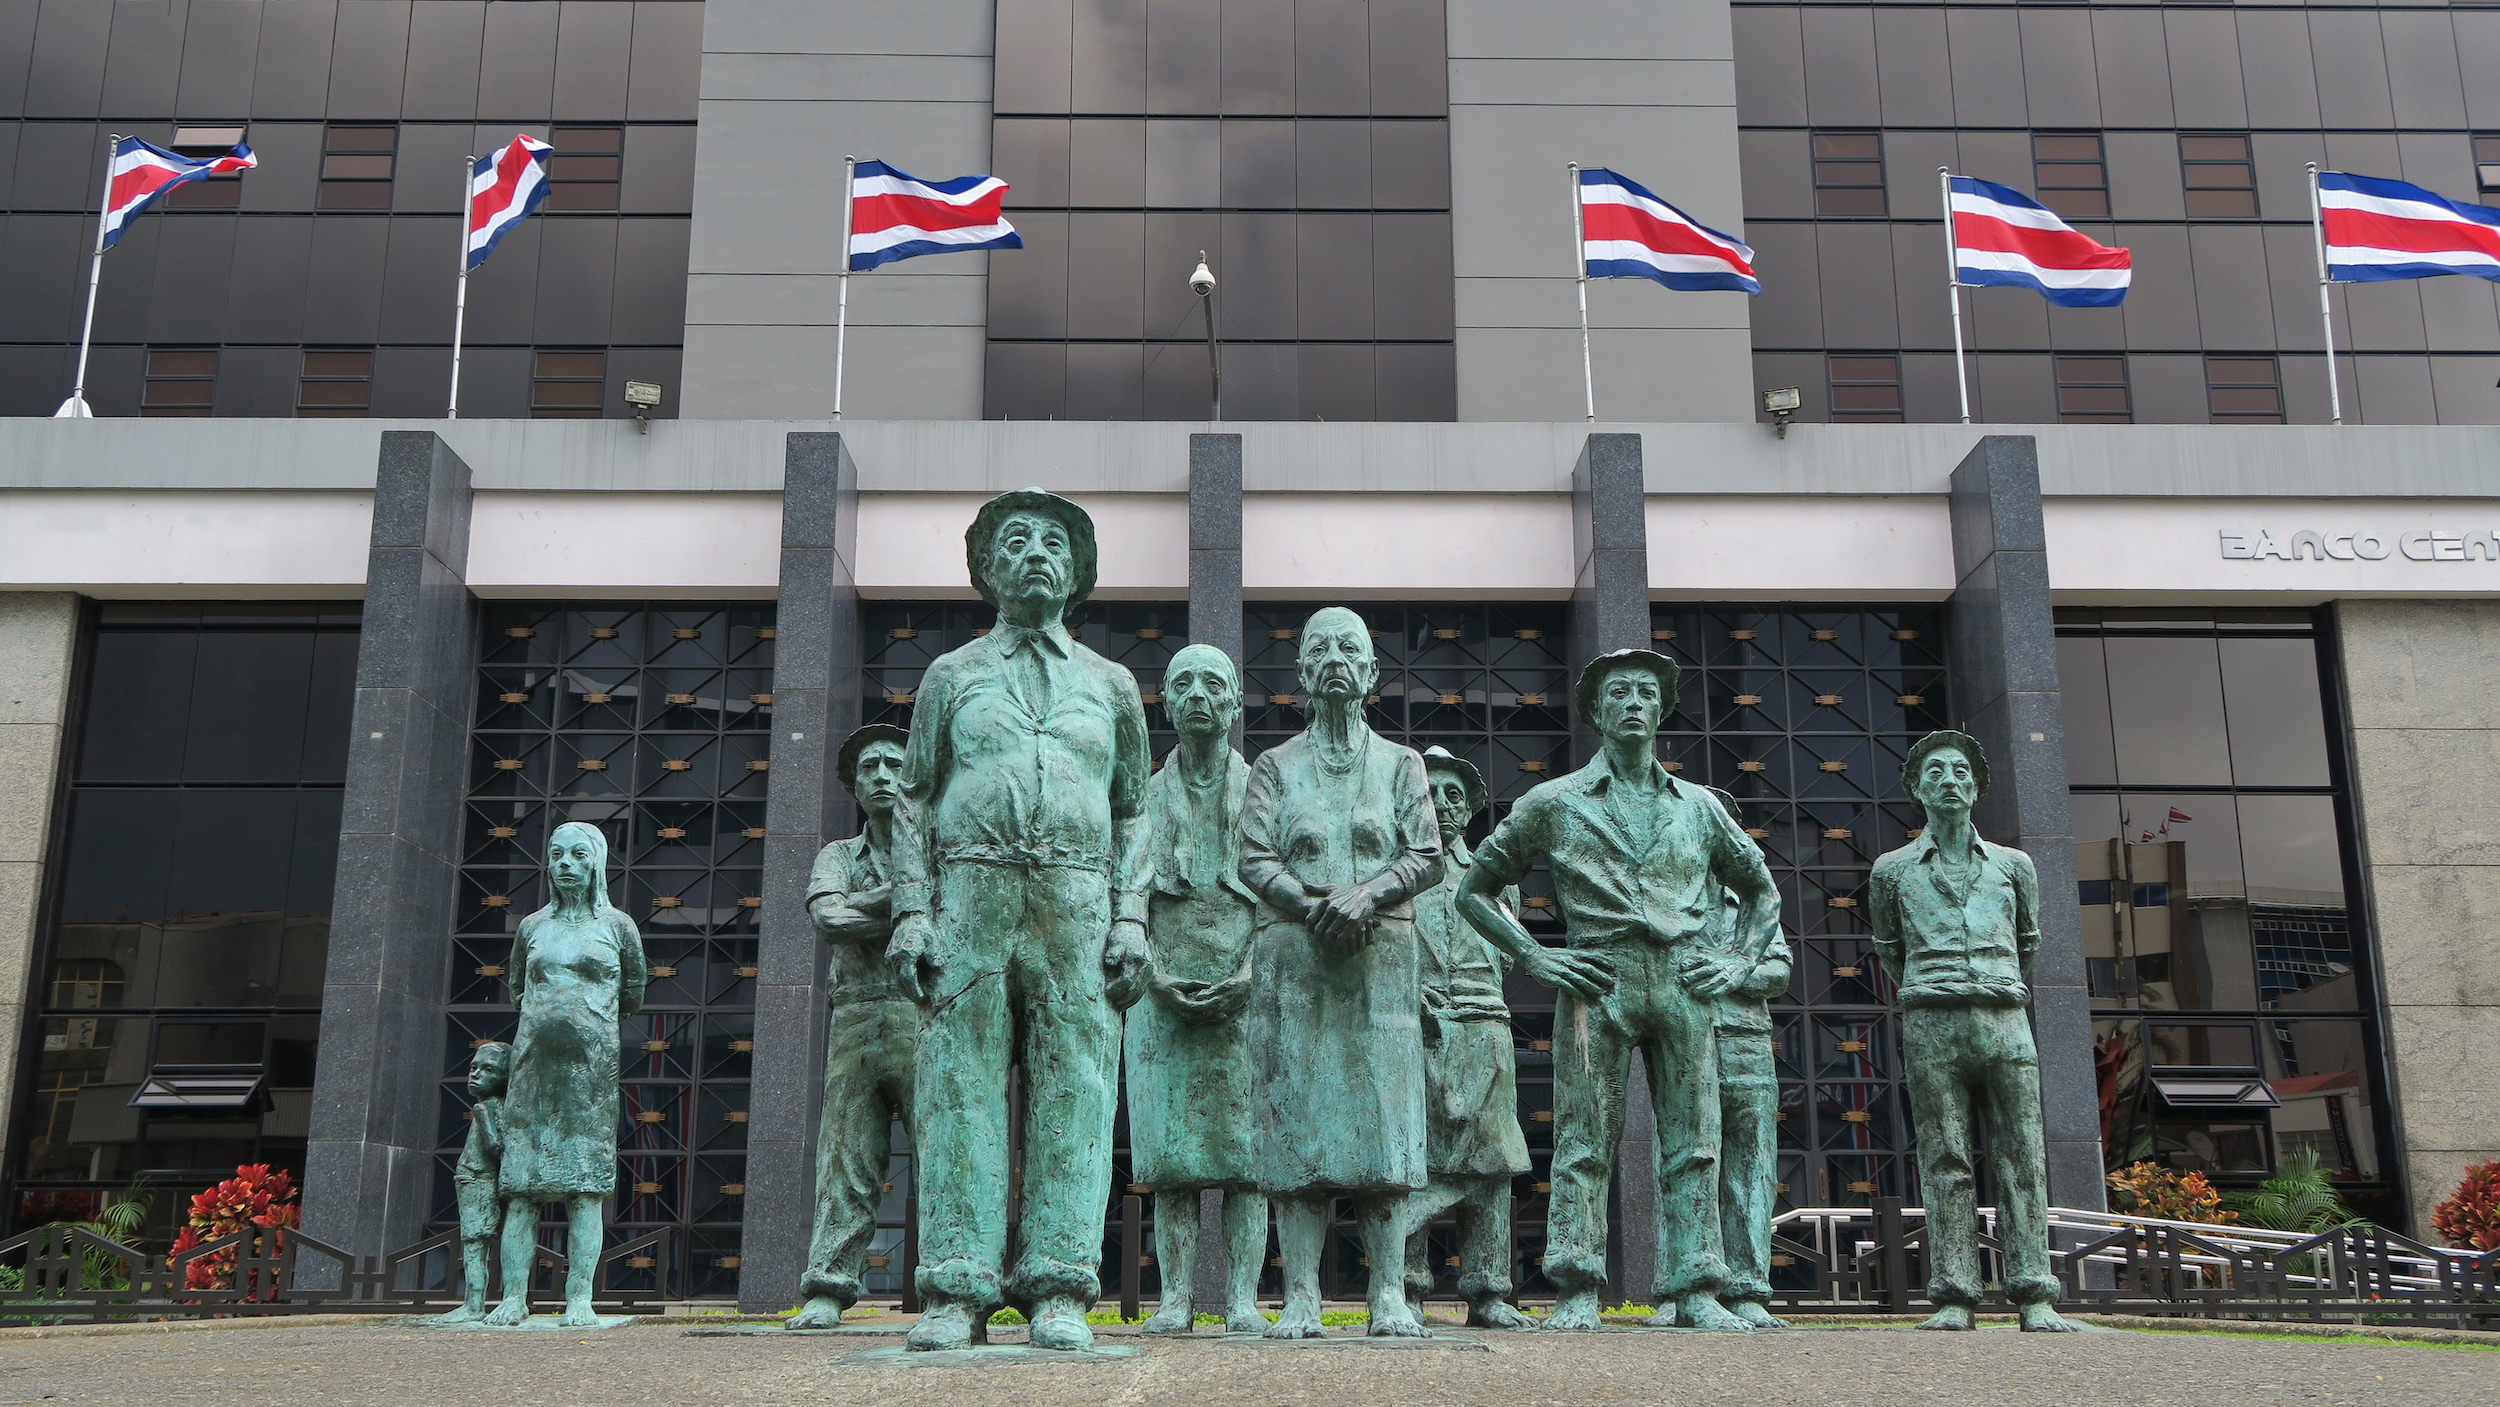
(2419, 545)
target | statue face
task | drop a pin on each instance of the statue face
(1337, 659)
(1031, 561)
(1449, 799)
(1946, 782)
(570, 861)
(1629, 703)
(1200, 696)
(487, 1070)
(877, 777)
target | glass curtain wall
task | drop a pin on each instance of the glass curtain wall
(651, 722)
(192, 918)
(1302, 147)
(2233, 1015)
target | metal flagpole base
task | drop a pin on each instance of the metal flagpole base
(75, 408)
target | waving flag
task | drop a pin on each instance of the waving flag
(1626, 232)
(504, 189)
(896, 215)
(143, 173)
(2004, 238)
(2377, 230)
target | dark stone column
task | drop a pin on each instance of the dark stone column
(368, 1176)
(1214, 619)
(815, 706)
(1610, 611)
(2002, 650)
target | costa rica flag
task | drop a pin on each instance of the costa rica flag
(896, 215)
(2004, 238)
(504, 189)
(2379, 230)
(143, 173)
(1626, 232)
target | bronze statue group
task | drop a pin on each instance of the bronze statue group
(1302, 961)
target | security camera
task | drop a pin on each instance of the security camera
(1202, 282)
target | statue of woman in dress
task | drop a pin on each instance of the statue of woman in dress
(577, 970)
(1337, 837)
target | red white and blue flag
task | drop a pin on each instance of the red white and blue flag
(142, 174)
(896, 215)
(2003, 238)
(503, 191)
(1626, 232)
(2377, 230)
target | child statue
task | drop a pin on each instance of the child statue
(473, 1180)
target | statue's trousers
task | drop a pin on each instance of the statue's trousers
(1975, 1068)
(868, 1080)
(1749, 1148)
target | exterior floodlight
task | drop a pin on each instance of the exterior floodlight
(1781, 404)
(644, 397)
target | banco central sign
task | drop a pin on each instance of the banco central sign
(2419, 545)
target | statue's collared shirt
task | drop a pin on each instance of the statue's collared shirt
(1462, 972)
(1025, 748)
(859, 972)
(1953, 945)
(1658, 881)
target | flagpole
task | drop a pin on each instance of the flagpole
(75, 408)
(1953, 287)
(1580, 264)
(2326, 309)
(842, 299)
(460, 300)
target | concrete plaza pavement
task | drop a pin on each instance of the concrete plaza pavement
(659, 1365)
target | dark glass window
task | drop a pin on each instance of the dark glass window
(356, 167)
(193, 919)
(2067, 169)
(1865, 389)
(1848, 173)
(568, 385)
(2487, 162)
(335, 384)
(211, 192)
(2211, 850)
(2244, 390)
(584, 171)
(654, 724)
(2220, 176)
(180, 382)
(2093, 391)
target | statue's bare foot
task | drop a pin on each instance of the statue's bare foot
(509, 1313)
(2041, 1319)
(1756, 1315)
(1703, 1311)
(942, 1326)
(1396, 1320)
(1496, 1314)
(1951, 1316)
(1059, 1323)
(465, 1314)
(1298, 1321)
(820, 1312)
(1178, 1317)
(579, 1315)
(1244, 1318)
(1577, 1310)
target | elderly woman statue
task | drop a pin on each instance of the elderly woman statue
(1337, 837)
(576, 971)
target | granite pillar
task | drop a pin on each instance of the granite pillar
(2001, 649)
(38, 652)
(1610, 611)
(816, 696)
(369, 1170)
(1215, 618)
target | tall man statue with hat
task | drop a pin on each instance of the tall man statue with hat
(1639, 860)
(1957, 924)
(874, 1030)
(1472, 1144)
(1019, 926)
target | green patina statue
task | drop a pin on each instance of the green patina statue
(872, 1033)
(1473, 1147)
(1749, 1105)
(1337, 838)
(1639, 861)
(473, 1180)
(1190, 1082)
(576, 971)
(1956, 927)
(1019, 911)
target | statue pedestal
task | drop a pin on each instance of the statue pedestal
(534, 1323)
(985, 1356)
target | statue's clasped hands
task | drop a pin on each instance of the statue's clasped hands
(1205, 1003)
(1343, 919)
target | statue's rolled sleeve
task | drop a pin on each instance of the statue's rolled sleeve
(2026, 909)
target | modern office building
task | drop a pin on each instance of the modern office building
(294, 689)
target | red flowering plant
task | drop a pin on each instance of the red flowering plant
(254, 1196)
(2471, 1215)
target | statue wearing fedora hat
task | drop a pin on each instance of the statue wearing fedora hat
(1472, 1144)
(1957, 923)
(1640, 861)
(874, 1029)
(1019, 926)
